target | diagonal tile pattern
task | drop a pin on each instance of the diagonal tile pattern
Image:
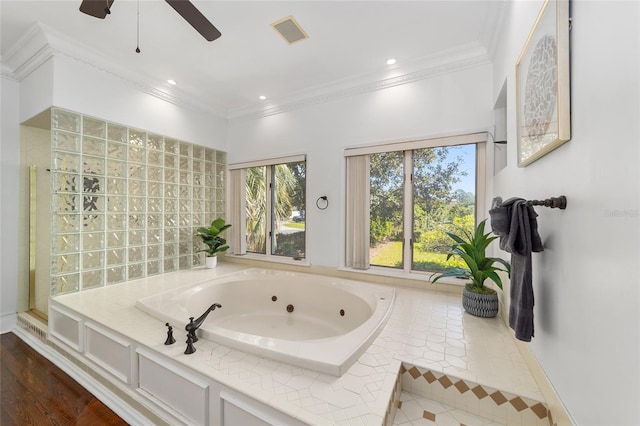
(498, 398)
(490, 403)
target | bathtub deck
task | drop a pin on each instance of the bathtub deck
(427, 329)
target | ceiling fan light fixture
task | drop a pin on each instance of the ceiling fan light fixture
(391, 61)
(171, 82)
(290, 30)
(262, 97)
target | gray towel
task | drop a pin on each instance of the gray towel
(515, 223)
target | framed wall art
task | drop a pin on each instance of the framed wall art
(542, 84)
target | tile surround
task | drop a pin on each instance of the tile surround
(460, 354)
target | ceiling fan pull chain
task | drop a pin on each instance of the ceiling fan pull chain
(138, 30)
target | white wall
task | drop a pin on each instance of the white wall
(92, 91)
(36, 91)
(9, 161)
(459, 101)
(587, 321)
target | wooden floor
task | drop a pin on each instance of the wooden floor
(36, 392)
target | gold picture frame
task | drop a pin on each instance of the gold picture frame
(543, 85)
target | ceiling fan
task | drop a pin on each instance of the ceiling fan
(186, 9)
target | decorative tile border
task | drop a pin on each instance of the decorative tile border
(481, 400)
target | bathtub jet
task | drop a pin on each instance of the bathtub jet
(310, 321)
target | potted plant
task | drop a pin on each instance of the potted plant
(477, 299)
(215, 243)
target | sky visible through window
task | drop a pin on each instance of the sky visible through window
(468, 154)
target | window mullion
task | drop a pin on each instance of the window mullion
(481, 183)
(269, 211)
(407, 203)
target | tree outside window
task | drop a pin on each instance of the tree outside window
(440, 199)
(275, 209)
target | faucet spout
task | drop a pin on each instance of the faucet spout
(194, 325)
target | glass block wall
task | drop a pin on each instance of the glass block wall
(125, 202)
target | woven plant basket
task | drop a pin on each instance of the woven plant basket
(479, 304)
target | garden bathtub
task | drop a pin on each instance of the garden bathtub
(311, 321)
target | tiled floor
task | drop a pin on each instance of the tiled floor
(414, 410)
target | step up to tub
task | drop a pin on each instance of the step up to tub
(414, 409)
(451, 397)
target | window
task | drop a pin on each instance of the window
(417, 193)
(273, 220)
(256, 218)
(444, 200)
(386, 209)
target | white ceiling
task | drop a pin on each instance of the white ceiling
(349, 41)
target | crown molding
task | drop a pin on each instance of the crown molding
(6, 71)
(424, 68)
(28, 53)
(41, 42)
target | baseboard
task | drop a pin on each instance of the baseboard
(8, 322)
(559, 414)
(107, 397)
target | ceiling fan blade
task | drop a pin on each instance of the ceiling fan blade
(97, 8)
(193, 16)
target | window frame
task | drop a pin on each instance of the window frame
(238, 210)
(478, 139)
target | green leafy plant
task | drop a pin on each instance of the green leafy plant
(211, 237)
(471, 248)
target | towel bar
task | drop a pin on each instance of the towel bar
(553, 202)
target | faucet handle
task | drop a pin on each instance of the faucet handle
(190, 348)
(170, 339)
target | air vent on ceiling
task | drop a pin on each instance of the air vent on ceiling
(290, 30)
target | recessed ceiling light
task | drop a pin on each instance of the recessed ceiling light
(171, 82)
(263, 97)
(391, 61)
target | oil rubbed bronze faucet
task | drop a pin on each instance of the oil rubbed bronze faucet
(194, 325)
